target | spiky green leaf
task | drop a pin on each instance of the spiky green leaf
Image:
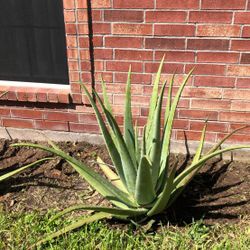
(144, 192)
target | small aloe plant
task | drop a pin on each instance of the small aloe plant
(141, 182)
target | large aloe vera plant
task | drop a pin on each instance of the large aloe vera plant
(141, 183)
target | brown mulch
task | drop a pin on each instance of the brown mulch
(220, 193)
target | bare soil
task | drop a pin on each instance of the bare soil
(219, 193)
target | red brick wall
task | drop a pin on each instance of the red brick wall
(212, 35)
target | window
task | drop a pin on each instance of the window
(32, 41)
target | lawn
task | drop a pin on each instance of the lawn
(18, 231)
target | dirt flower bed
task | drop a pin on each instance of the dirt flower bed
(220, 193)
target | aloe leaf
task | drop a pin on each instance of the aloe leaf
(180, 179)
(111, 175)
(105, 97)
(137, 146)
(19, 170)
(162, 201)
(155, 154)
(225, 138)
(129, 133)
(196, 158)
(153, 100)
(82, 221)
(168, 107)
(128, 167)
(110, 210)
(103, 186)
(201, 144)
(111, 146)
(143, 148)
(168, 128)
(144, 191)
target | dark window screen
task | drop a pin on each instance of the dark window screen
(32, 41)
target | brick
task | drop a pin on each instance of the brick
(208, 44)
(52, 125)
(178, 4)
(68, 4)
(236, 138)
(87, 118)
(223, 4)
(175, 56)
(210, 17)
(234, 126)
(71, 41)
(81, 3)
(73, 65)
(4, 112)
(164, 43)
(26, 113)
(166, 16)
(132, 29)
(84, 42)
(198, 114)
(77, 98)
(243, 83)
(17, 123)
(242, 17)
(136, 100)
(180, 124)
(219, 30)
(101, 28)
(123, 42)
(124, 66)
(69, 16)
(131, 4)
(206, 69)
(234, 117)
(174, 30)
(133, 55)
(238, 70)
(103, 53)
(236, 94)
(123, 16)
(213, 81)
(82, 15)
(211, 104)
(63, 98)
(167, 68)
(194, 136)
(202, 92)
(218, 57)
(22, 96)
(246, 32)
(11, 96)
(61, 116)
(135, 78)
(52, 97)
(70, 28)
(211, 126)
(87, 128)
(97, 4)
(74, 77)
(240, 106)
(42, 97)
(31, 97)
(245, 58)
(72, 53)
(240, 45)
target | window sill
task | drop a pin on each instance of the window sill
(35, 92)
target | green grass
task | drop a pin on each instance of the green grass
(18, 231)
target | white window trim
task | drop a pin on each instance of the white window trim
(34, 85)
